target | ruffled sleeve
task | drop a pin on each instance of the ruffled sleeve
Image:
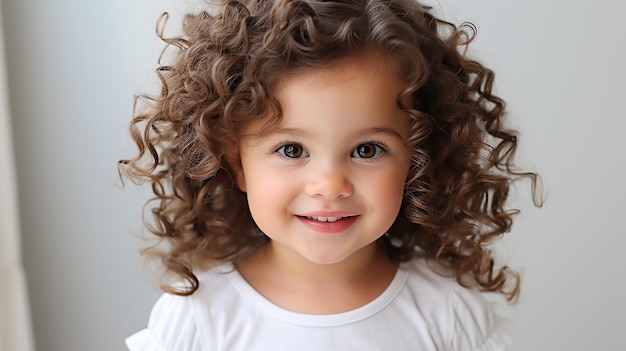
(172, 326)
(476, 327)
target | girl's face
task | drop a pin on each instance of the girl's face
(328, 181)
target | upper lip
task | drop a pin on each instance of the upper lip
(328, 214)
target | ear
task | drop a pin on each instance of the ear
(233, 158)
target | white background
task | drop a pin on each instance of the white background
(73, 67)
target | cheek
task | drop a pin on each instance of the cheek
(267, 181)
(390, 196)
(387, 190)
(266, 189)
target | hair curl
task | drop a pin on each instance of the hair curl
(220, 79)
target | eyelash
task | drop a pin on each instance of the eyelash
(379, 150)
(282, 149)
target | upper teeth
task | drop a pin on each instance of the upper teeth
(325, 219)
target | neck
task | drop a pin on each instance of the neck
(297, 269)
(303, 286)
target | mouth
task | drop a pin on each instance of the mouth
(326, 219)
(328, 224)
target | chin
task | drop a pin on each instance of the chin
(326, 259)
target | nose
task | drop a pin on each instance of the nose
(330, 184)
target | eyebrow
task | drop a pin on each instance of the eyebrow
(380, 130)
(297, 132)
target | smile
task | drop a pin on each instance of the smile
(328, 224)
(325, 219)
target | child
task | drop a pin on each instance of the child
(327, 176)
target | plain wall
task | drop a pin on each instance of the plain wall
(74, 66)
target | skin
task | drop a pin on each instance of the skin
(340, 151)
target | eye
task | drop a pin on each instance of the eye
(292, 151)
(368, 150)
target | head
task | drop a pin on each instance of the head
(337, 162)
(232, 84)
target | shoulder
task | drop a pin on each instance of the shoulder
(464, 319)
(172, 326)
(180, 322)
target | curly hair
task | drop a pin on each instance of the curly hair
(225, 63)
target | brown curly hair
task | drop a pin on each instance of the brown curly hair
(220, 77)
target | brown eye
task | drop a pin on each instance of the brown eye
(367, 150)
(292, 151)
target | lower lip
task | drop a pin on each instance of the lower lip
(329, 227)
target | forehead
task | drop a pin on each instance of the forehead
(372, 65)
(364, 84)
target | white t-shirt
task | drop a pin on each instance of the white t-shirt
(420, 310)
